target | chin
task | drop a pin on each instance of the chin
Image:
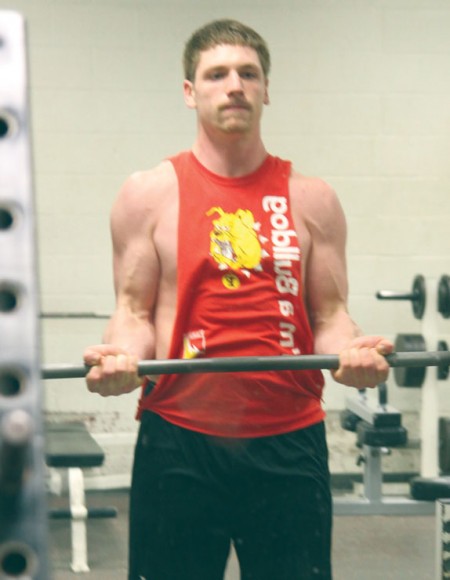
(236, 128)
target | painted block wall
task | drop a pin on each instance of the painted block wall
(360, 95)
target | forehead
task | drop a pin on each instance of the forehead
(228, 55)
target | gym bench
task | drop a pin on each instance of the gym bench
(70, 446)
(378, 428)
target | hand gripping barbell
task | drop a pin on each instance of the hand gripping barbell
(249, 363)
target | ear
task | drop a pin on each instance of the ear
(266, 93)
(189, 94)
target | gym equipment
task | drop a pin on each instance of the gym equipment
(70, 446)
(430, 485)
(378, 428)
(415, 376)
(78, 315)
(444, 296)
(444, 444)
(442, 539)
(417, 296)
(410, 376)
(23, 511)
(442, 370)
(236, 364)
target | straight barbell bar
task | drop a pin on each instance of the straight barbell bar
(249, 363)
(80, 315)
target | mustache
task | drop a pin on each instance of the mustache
(236, 103)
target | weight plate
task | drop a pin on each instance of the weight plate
(444, 445)
(430, 489)
(442, 370)
(419, 296)
(367, 434)
(444, 296)
(412, 377)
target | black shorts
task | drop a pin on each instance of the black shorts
(193, 495)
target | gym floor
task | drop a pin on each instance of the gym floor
(365, 547)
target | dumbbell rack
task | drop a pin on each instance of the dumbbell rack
(430, 485)
(427, 381)
(23, 511)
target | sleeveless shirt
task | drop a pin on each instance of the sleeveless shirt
(239, 293)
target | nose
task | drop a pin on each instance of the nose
(234, 82)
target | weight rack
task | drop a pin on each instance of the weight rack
(23, 509)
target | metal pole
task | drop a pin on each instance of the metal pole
(245, 364)
(23, 511)
(429, 413)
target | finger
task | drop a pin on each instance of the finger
(93, 354)
(115, 375)
(361, 367)
(385, 347)
(92, 357)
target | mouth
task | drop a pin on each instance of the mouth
(236, 107)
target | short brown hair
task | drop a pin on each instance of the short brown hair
(223, 32)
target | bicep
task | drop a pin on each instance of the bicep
(326, 272)
(135, 260)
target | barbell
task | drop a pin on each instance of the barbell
(249, 363)
(415, 376)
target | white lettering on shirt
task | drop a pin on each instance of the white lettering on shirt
(285, 253)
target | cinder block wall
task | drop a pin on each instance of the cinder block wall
(360, 95)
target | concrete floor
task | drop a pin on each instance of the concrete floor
(365, 547)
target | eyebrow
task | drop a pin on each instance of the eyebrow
(243, 67)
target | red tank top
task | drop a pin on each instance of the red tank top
(239, 294)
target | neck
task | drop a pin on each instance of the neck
(231, 156)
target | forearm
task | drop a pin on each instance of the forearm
(133, 332)
(333, 334)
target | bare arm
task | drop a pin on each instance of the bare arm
(326, 293)
(326, 284)
(129, 335)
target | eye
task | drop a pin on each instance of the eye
(250, 74)
(216, 75)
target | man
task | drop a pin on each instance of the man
(226, 251)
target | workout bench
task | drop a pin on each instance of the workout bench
(378, 427)
(70, 446)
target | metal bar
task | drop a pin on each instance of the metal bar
(393, 295)
(81, 315)
(388, 506)
(245, 364)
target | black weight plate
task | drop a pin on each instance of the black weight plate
(410, 376)
(419, 297)
(380, 436)
(430, 489)
(444, 444)
(442, 370)
(444, 296)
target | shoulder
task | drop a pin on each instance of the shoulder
(143, 193)
(143, 186)
(315, 200)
